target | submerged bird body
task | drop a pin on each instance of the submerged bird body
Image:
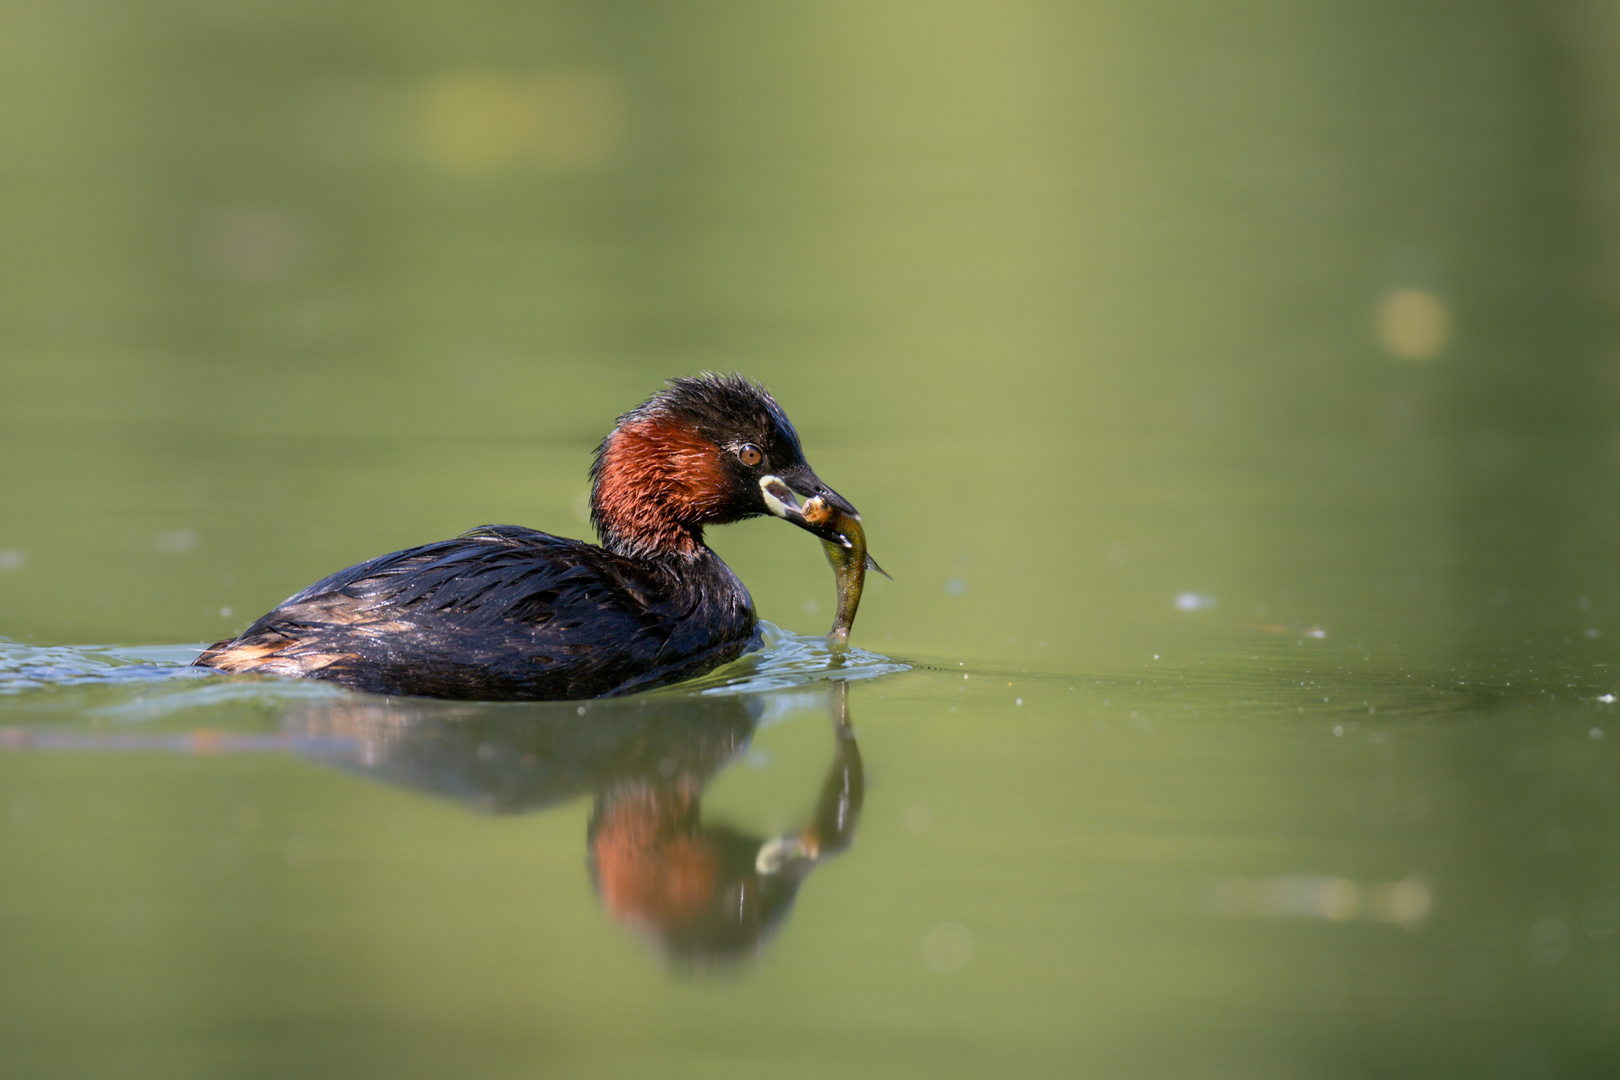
(505, 612)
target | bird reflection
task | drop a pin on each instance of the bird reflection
(700, 892)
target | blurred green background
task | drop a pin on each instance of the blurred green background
(1213, 359)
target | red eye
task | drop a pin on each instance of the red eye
(750, 455)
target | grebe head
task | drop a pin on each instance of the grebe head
(708, 450)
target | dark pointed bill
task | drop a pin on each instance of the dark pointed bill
(816, 514)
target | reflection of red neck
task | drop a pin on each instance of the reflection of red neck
(653, 865)
(658, 481)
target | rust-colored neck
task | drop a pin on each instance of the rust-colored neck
(656, 482)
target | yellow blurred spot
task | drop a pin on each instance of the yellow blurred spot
(1338, 899)
(1406, 903)
(475, 121)
(1413, 324)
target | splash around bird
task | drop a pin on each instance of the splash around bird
(509, 613)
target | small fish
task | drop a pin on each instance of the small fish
(849, 560)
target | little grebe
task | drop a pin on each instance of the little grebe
(505, 612)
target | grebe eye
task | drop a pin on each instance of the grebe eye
(750, 455)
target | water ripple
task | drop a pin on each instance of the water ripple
(28, 673)
(31, 667)
(791, 660)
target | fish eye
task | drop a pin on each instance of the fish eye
(750, 455)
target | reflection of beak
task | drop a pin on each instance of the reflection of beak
(819, 513)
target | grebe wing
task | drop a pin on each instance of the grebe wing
(487, 575)
(494, 613)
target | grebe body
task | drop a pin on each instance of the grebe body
(504, 612)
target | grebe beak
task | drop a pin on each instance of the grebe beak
(829, 516)
(819, 513)
(835, 522)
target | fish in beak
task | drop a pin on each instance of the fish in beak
(835, 522)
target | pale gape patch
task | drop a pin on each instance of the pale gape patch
(772, 502)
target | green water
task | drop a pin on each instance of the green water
(1228, 388)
